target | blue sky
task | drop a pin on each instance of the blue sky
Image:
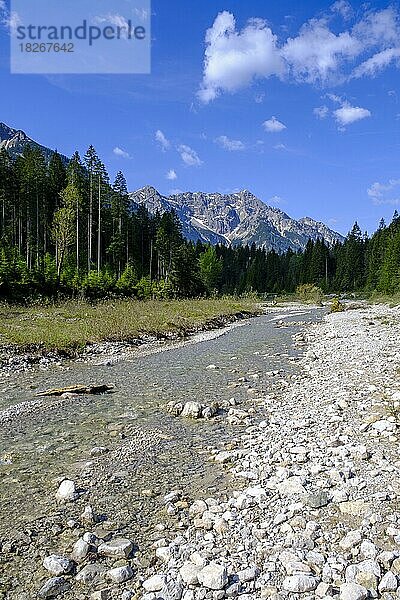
(298, 102)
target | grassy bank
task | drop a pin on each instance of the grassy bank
(70, 326)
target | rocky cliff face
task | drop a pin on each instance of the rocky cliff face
(239, 218)
(14, 141)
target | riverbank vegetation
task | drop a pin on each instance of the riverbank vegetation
(66, 231)
(70, 326)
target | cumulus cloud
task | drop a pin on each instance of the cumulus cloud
(273, 125)
(381, 193)
(121, 153)
(321, 112)
(189, 156)
(316, 54)
(234, 59)
(171, 175)
(228, 144)
(348, 114)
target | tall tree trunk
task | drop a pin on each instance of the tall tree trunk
(77, 235)
(99, 229)
(90, 222)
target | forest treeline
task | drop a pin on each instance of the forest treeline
(66, 230)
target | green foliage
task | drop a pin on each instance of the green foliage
(144, 288)
(126, 284)
(97, 285)
(336, 305)
(64, 229)
(210, 268)
(309, 293)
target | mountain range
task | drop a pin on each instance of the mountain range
(231, 219)
(234, 219)
(15, 140)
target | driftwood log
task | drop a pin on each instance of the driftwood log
(77, 389)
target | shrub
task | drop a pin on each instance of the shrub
(309, 293)
(97, 285)
(336, 305)
(126, 284)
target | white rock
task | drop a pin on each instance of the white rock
(57, 565)
(189, 573)
(383, 425)
(120, 574)
(164, 553)
(88, 517)
(154, 583)
(197, 508)
(214, 576)
(300, 583)
(80, 550)
(118, 548)
(368, 549)
(352, 591)
(351, 539)
(291, 487)
(66, 491)
(388, 583)
(192, 410)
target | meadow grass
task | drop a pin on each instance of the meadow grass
(72, 325)
(377, 298)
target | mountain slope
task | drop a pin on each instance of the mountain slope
(239, 218)
(14, 141)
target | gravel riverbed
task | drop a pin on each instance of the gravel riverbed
(312, 506)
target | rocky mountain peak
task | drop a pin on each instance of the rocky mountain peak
(235, 218)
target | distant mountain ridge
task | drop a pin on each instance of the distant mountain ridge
(233, 219)
(15, 140)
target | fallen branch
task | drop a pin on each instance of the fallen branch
(77, 389)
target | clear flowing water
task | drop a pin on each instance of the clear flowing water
(148, 447)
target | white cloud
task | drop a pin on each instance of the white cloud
(377, 62)
(259, 98)
(228, 144)
(9, 19)
(175, 191)
(348, 114)
(280, 147)
(321, 112)
(378, 192)
(162, 140)
(378, 28)
(171, 175)
(343, 8)
(189, 156)
(121, 153)
(234, 59)
(316, 54)
(273, 125)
